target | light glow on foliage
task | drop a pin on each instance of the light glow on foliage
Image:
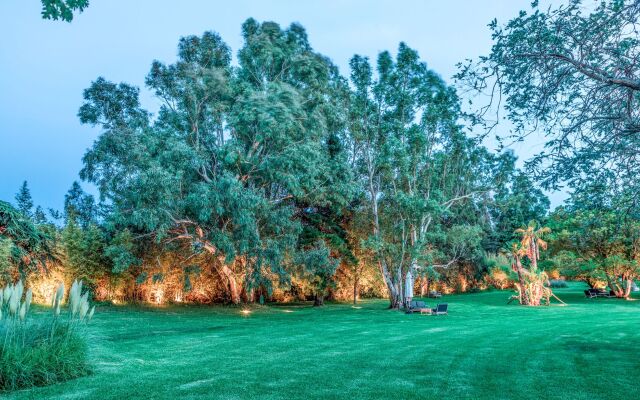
(158, 295)
(46, 289)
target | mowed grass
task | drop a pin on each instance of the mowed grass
(485, 349)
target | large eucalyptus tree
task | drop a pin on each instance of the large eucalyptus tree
(414, 164)
(235, 155)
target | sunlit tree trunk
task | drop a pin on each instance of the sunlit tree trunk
(621, 286)
(356, 283)
(232, 284)
(227, 273)
(522, 287)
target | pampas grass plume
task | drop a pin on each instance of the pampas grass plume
(28, 298)
(23, 311)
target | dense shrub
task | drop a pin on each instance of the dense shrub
(53, 349)
(498, 270)
(557, 283)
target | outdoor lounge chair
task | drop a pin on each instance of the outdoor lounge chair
(441, 309)
(594, 293)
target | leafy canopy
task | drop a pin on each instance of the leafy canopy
(234, 156)
(570, 72)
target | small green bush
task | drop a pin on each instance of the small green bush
(557, 283)
(37, 353)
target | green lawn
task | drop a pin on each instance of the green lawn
(483, 349)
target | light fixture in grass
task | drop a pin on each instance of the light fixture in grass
(46, 350)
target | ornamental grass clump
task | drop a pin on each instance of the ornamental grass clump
(50, 349)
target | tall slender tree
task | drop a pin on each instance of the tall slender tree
(79, 206)
(24, 201)
(414, 163)
(532, 241)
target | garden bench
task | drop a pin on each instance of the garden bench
(435, 294)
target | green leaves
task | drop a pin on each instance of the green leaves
(121, 252)
(421, 178)
(596, 241)
(24, 245)
(570, 74)
(62, 9)
(24, 200)
(234, 154)
(318, 266)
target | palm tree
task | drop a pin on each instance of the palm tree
(532, 242)
(515, 252)
(531, 281)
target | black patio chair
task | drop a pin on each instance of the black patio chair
(441, 309)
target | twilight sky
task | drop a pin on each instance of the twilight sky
(45, 65)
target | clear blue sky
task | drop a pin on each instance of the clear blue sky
(45, 65)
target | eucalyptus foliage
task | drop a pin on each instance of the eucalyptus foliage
(571, 72)
(62, 9)
(416, 168)
(234, 153)
(267, 167)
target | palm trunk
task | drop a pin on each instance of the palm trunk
(524, 298)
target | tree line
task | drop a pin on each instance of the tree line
(281, 170)
(280, 167)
